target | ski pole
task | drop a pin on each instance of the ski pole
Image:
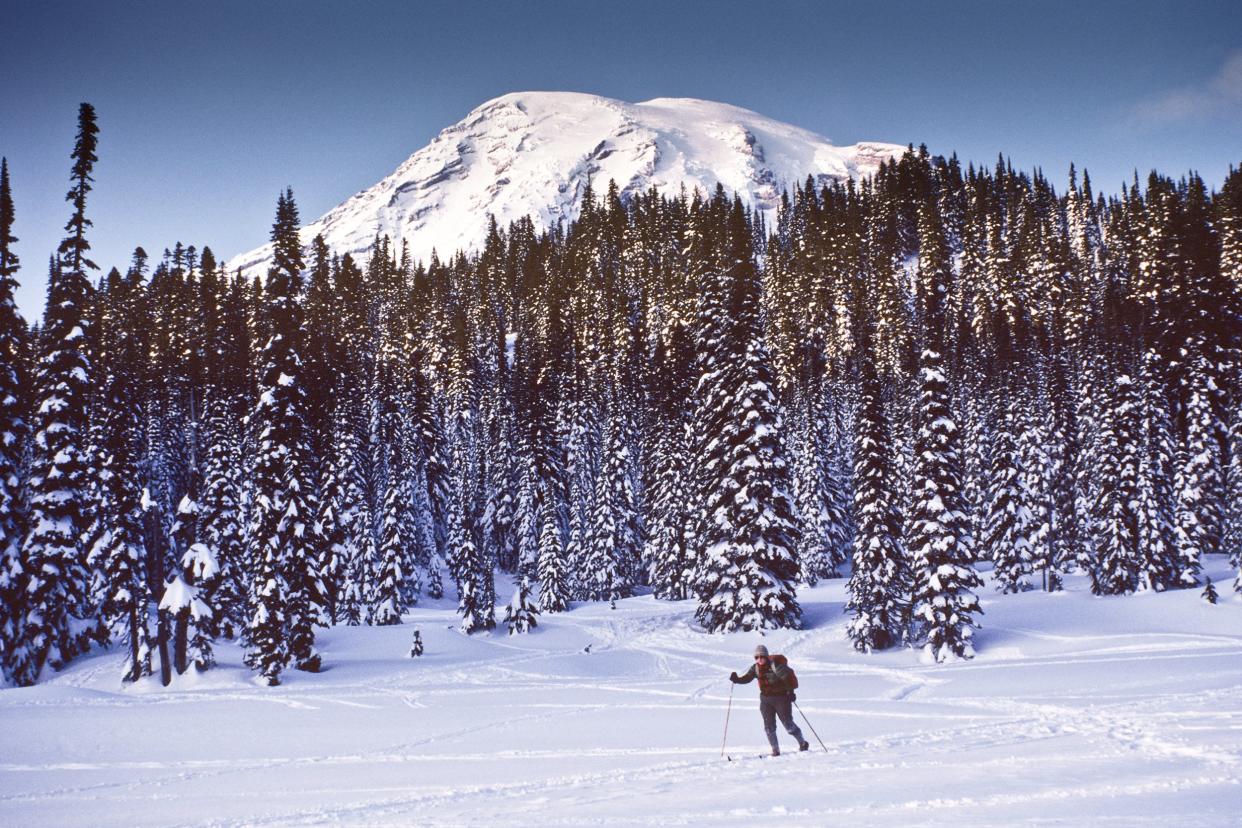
(812, 727)
(728, 711)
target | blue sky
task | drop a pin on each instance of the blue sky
(207, 110)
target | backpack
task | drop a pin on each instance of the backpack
(784, 662)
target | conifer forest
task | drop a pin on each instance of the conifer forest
(901, 381)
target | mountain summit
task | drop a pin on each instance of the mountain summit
(533, 153)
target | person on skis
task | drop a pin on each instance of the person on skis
(776, 695)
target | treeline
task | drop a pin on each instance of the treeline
(903, 378)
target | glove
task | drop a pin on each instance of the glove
(793, 697)
(733, 677)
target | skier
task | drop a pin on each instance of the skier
(776, 695)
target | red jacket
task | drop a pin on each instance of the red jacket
(773, 677)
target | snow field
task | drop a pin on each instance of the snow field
(1077, 710)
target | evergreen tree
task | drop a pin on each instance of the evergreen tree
(362, 561)
(1008, 522)
(1154, 508)
(386, 599)
(944, 602)
(879, 584)
(613, 543)
(1115, 519)
(814, 522)
(746, 534)
(332, 522)
(521, 615)
(1039, 454)
(1198, 477)
(553, 586)
(281, 626)
(220, 518)
(526, 523)
(473, 606)
(53, 553)
(667, 550)
(435, 578)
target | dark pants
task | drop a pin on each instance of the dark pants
(770, 707)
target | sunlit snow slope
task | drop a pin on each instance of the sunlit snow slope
(533, 153)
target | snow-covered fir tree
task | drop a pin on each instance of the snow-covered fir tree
(879, 584)
(1041, 468)
(614, 545)
(1198, 475)
(282, 619)
(811, 497)
(526, 522)
(221, 518)
(361, 559)
(58, 491)
(1154, 515)
(551, 571)
(1117, 451)
(747, 535)
(1008, 524)
(385, 599)
(666, 549)
(945, 604)
(521, 615)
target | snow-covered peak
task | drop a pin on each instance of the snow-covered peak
(533, 153)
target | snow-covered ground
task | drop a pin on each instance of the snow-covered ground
(1077, 710)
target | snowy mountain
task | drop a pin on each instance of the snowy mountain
(533, 153)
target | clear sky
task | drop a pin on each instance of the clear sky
(208, 109)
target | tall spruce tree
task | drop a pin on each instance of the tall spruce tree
(945, 604)
(53, 553)
(879, 585)
(747, 534)
(285, 589)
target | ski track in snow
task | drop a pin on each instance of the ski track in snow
(1078, 710)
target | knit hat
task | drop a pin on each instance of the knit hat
(761, 651)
